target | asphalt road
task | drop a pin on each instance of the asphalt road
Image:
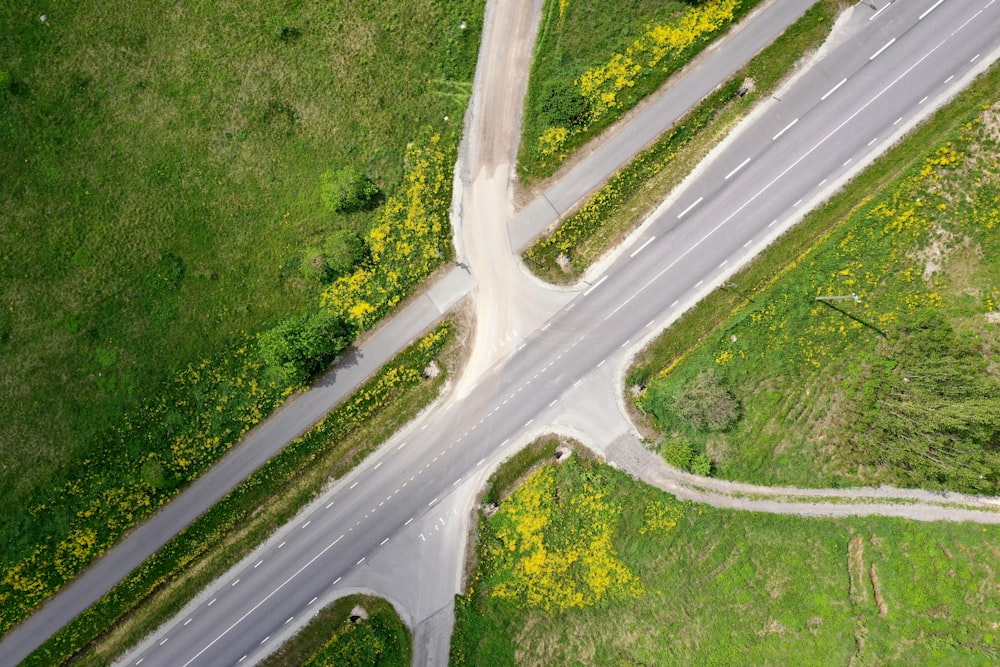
(832, 119)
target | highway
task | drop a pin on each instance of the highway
(833, 119)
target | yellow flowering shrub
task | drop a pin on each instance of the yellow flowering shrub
(551, 544)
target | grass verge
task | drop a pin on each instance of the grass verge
(664, 582)
(637, 188)
(162, 585)
(596, 60)
(822, 389)
(381, 640)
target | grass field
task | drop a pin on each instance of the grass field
(637, 188)
(163, 198)
(900, 387)
(331, 639)
(595, 60)
(690, 584)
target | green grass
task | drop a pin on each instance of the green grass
(162, 585)
(576, 36)
(636, 189)
(161, 192)
(331, 633)
(814, 382)
(724, 587)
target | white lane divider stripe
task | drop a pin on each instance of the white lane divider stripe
(688, 209)
(884, 47)
(931, 9)
(595, 285)
(784, 129)
(738, 167)
(842, 82)
(875, 15)
(643, 246)
(382, 543)
(257, 564)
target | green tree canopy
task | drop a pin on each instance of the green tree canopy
(347, 190)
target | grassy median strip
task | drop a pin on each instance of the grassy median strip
(637, 188)
(597, 59)
(897, 387)
(581, 564)
(333, 639)
(162, 585)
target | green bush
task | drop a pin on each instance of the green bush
(347, 190)
(706, 403)
(299, 346)
(701, 464)
(677, 452)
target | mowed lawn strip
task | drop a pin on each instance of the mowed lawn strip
(596, 60)
(724, 587)
(823, 387)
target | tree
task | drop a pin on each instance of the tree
(706, 403)
(299, 346)
(929, 412)
(347, 190)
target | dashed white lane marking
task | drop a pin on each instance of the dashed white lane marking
(330, 504)
(505, 401)
(897, 121)
(724, 262)
(595, 285)
(971, 19)
(432, 502)
(688, 209)
(434, 460)
(335, 582)
(948, 80)
(457, 482)
(834, 89)
(377, 465)
(212, 602)
(408, 521)
(400, 446)
(188, 621)
(411, 477)
(822, 183)
(352, 486)
(923, 100)
(773, 223)
(290, 619)
(975, 57)
(554, 401)
(481, 462)
(139, 661)
(311, 601)
(602, 363)
(625, 343)
(797, 202)
(306, 524)
(675, 303)
(738, 167)
(643, 246)
(698, 284)
(547, 325)
(257, 564)
(649, 323)
(577, 383)
(875, 15)
(165, 639)
(884, 47)
(382, 543)
(744, 245)
(784, 129)
(528, 423)
(521, 347)
(241, 660)
(505, 442)
(847, 162)
(264, 640)
(873, 141)
(929, 10)
(360, 561)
